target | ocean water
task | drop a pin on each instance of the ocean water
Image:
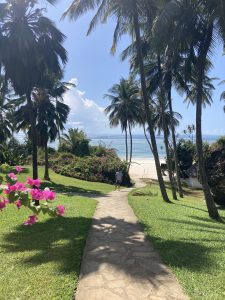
(141, 148)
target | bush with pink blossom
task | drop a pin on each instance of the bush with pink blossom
(26, 194)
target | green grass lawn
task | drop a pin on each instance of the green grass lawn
(188, 241)
(43, 261)
(69, 185)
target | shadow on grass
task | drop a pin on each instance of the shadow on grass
(111, 241)
(59, 240)
(185, 253)
(69, 190)
(193, 207)
(199, 224)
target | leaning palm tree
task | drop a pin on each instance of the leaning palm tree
(198, 23)
(124, 109)
(129, 15)
(163, 122)
(32, 49)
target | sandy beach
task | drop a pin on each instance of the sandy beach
(144, 168)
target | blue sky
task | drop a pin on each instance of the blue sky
(95, 70)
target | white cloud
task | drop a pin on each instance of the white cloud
(85, 114)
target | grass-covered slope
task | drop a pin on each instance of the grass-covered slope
(43, 261)
(188, 241)
(67, 184)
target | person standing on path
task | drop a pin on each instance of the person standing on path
(119, 179)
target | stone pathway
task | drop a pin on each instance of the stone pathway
(118, 262)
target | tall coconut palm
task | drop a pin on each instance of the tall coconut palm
(164, 77)
(129, 15)
(207, 91)
(199, 28)
(32, 49)
(163, 121)
(124, 109)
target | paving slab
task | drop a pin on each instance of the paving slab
(119, 263)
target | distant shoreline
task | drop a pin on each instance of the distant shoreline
(141, 150)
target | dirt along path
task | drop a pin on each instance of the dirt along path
(118, 262)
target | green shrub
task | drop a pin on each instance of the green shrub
(90, 168)
(215, 167)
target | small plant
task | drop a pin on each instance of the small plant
(27, 194)
(143, 194)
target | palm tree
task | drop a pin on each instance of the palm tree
(163, 122)
(207, 91)
(50, 115)
(198, 25)
(129, 14)
(5, 113)
(32, 49)
(75, 142)
(124, 109)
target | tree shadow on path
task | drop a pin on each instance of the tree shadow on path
(112, 242)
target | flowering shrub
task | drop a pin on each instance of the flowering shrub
(24, 194)
(95, 169)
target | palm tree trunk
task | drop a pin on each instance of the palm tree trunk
(131, 146)
(34, 139)
(147, 139)
(212, 210)
(46, 176)
(181, 194)
(204, 48)
(166, 129)
(169, 162)
(34, 136)
(146, 104)
(126, 144)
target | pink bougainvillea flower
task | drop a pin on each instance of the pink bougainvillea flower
(48, 194)
(6, 189)
(18, 204)
(34, 182)
(12, 176)
(19, 169)
(3, 203)
(31, 220)
(60, 210)
(18, 186)
(36, 194)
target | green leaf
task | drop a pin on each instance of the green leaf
(12, 197)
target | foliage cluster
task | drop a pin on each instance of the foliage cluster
(47, 256)
(215, 167)
(90, 168)
(28, 194)
(75, 142)
(214, 155)
(186, 151)
(14, 153)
